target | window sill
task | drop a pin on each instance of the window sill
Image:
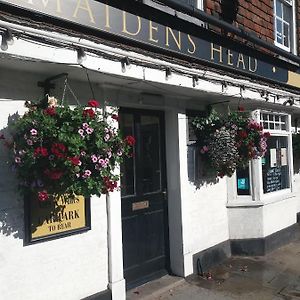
(266, 200)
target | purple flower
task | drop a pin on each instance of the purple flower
(89, 130)
(17, 160)
(94, 158)
(33, 131)
(85, 125)
(29, 142)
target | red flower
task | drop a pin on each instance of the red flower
(110, 185)
(43, 195)
(75, 160)
(51, 111)
(115, 117)
(89, 112)
(58, 150)
(54, 175)
(241, 108)
(243, 134)
(267, 134)
(130, 140)
(40, 151)
(93, 103)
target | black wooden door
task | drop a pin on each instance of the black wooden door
(144, 198)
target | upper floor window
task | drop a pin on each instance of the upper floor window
(284, 23)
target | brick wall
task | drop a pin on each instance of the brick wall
(255, 16)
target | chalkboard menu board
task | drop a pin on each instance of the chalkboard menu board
(273, 180)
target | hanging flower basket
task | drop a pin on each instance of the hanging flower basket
(229, 142)
(59, 150)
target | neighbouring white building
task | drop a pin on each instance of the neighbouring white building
(159, 69)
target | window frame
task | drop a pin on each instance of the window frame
(292, 26)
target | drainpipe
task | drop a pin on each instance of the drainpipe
(201, 15)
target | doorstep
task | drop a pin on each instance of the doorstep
(150, 290)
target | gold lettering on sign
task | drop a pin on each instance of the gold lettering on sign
(58, 6)
(241, 61)
(177, 40)
(151, 28)
(107, 23)
(229, 57)
(193, 44)
(254, 69)
(85, 6)
(139, 24)
(219, 50)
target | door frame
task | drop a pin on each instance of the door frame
(161, 115)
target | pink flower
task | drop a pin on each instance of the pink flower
(82, 153)
(43, 195)
(85, 125)
(29, 142)
(89, 130)
(17, 160)
(81, 132)
(87, 173)
(106, 137)
(22, 152)
(109, 154)
(33, 131)
(94, 158)
(119, 152)
(103, 163)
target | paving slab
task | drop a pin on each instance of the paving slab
(275, 276)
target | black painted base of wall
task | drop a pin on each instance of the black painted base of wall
(262, 246)
(298, 217)
(104, 295)
(206, 259)
(203, 261)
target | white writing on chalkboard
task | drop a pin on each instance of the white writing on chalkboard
(273, 180)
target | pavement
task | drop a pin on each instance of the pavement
(275, 276)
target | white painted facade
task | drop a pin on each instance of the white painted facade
(77, 266)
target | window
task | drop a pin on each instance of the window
(267, 178)
(275, 163)
(284, 23)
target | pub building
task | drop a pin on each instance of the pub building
(160, 63)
